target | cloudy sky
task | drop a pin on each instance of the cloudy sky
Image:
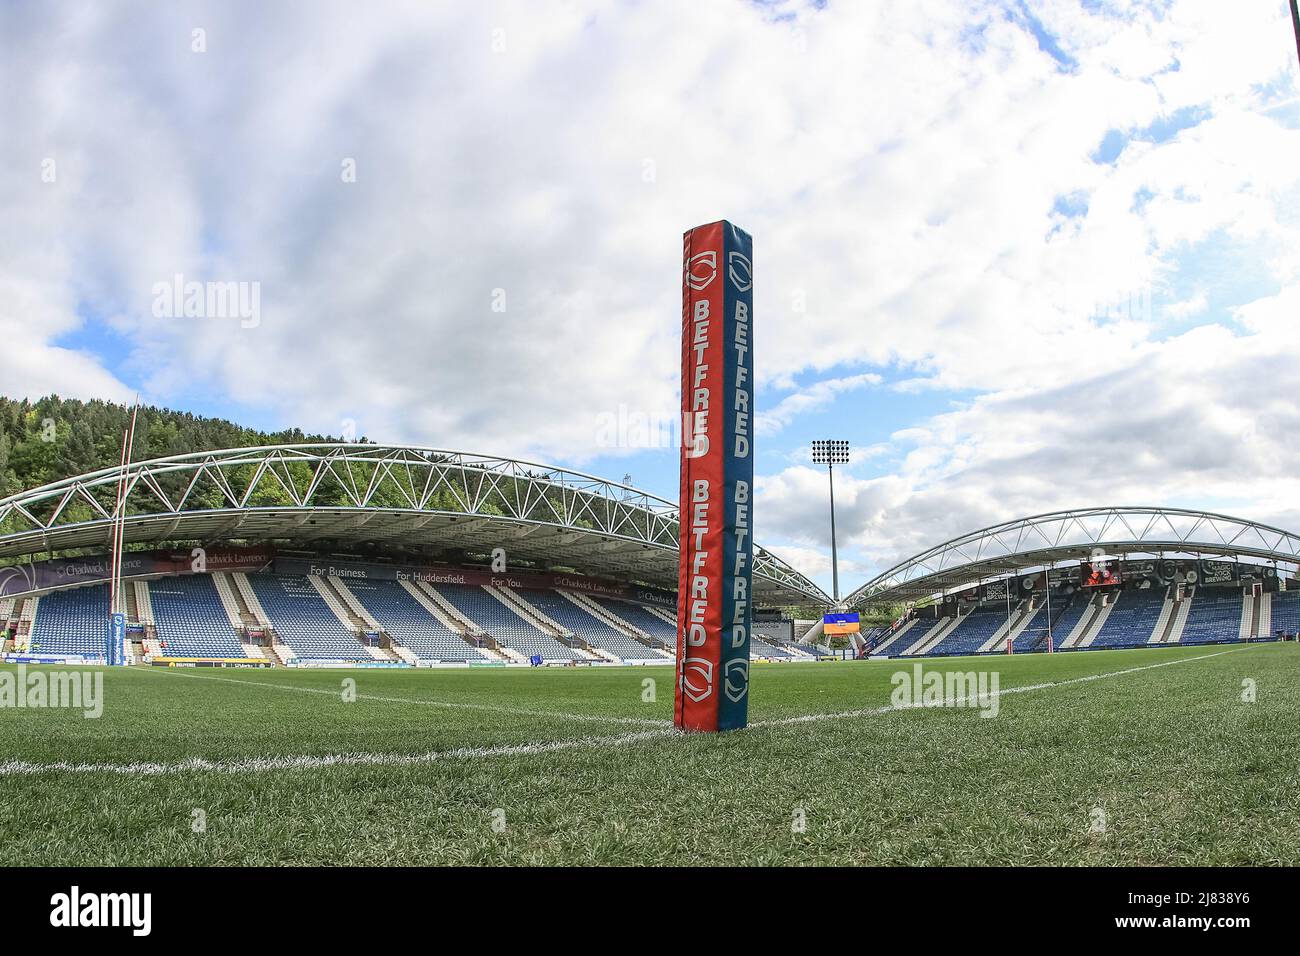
(1024, 256)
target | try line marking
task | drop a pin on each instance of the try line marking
(16, 768)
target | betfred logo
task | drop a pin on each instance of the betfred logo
(736, 679)
(697, 678)
(701, 270)
(739, 270)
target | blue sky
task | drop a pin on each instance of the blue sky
(1022, 256)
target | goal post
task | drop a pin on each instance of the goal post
(715, 518)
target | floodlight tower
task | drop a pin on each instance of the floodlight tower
(830, 454)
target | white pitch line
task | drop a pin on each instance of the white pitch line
(19, 768)
(455, 705)
(14, 768)
(1024, 688)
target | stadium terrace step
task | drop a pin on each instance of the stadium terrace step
(1010, 628)
(433, 604)
(413, 622)
(27, 614)
(607, 616)
(920, 636)
(1160, 632)
(249, 599)
(664, 616)
(357, 612)
(329, 594)
(1128, 619)
(497, 618)
(1048, 616)
(527, 610)
(1264, 627)
(1248, 626)
(934, 635)
(1215, 615)
(304, 620)
(1089, 627)
(405, 654)
(143, 603)
(278, 652)
(450, 614)
(590, 626)
(1036, 610)
(234, 607)
(661, 632)
(1173, 632)
(896, 636)
(131, 610)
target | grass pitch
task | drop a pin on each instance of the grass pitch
(1157, 765)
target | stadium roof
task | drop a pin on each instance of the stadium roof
(345, 497)
(1073, 536)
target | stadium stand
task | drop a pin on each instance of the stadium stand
(589, 628)
(1072, 613)
(1214, 616)
(72, 622)
(504, 625)
(1286, 613)
(1133, 619)
(810, 649)
(302, 619)
(189, 619)
(409, 624)
(641, 618)
(1034, 636)
(761, 648)
(916, 636)
(882, 641)
(974, 630)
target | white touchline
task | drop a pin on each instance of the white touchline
(14, 768)
(450, 704)
(18, 768)
(1024, 688)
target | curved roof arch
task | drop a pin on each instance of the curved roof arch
(1043, 540)
(409, 499)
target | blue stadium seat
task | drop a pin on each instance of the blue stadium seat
(641, 618)
(503, 624)
(919, 630)
(1286, 612)
(973, 632)
(1034, 636)
(410, 624)
(584, 624)
(1132, 620)
(72, 622)
(190, 620)
(1214, 617)
(303, 620)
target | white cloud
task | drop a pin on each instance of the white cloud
(815, 396)
(899, 164)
